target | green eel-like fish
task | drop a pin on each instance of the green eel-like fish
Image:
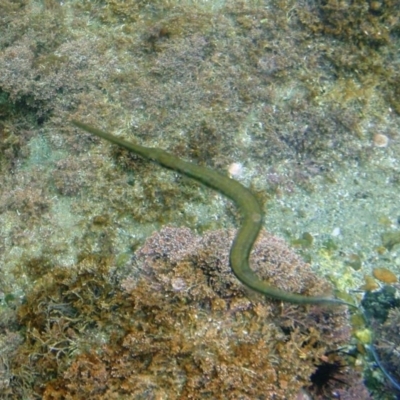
(243, 198)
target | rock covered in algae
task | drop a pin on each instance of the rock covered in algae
(215, 339)
(173, 324)
(382, 310)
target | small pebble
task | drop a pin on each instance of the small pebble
(380, 140)
(384, 275)
(370, 284)
(235, 170)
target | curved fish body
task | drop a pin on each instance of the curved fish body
(247, 203)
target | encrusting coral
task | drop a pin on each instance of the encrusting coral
(178, 325)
